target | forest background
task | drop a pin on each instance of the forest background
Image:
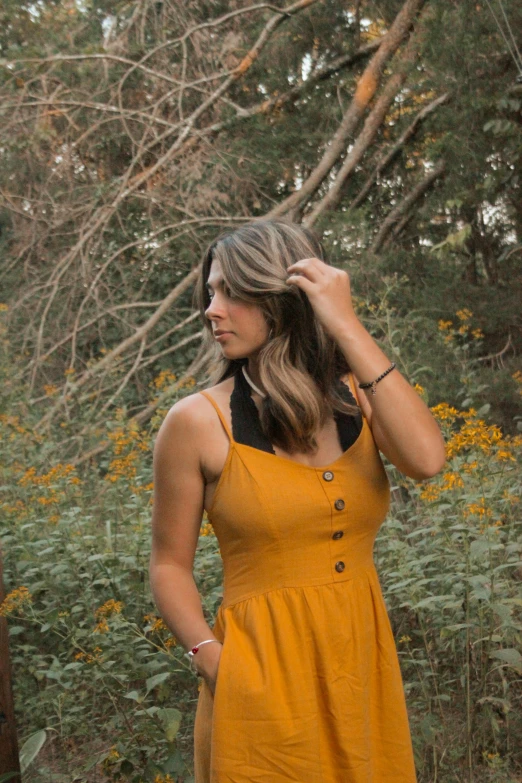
(131, 133)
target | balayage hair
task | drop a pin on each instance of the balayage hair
(300, 364)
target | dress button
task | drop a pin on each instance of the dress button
(339, 566)
(328, 475)
(339, 504)
(338, 534)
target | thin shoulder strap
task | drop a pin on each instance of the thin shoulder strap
(219, 413)
(351, 383)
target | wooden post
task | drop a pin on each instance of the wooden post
(9, 761)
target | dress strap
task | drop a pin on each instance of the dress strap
(351, 383)
(219, 413)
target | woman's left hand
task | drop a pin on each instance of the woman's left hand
(328, 290)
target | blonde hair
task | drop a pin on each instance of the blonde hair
(300, 364)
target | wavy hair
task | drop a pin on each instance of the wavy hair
(300, 364)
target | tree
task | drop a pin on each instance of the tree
(132, 134)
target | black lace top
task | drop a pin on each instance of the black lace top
(246, 426)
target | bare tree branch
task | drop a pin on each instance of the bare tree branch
(391, 154)
(366, 89)
(405, 205)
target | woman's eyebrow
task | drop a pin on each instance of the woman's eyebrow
(209, 285)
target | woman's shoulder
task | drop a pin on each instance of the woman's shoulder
(192, 413)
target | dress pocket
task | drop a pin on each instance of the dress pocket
(219, 675)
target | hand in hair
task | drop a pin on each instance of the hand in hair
(328, 290)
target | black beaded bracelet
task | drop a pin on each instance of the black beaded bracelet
(374, 383)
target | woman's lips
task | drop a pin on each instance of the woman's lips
(223, 336)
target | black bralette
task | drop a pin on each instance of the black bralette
(246, 426)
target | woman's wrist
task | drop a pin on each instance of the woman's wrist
(205, 660)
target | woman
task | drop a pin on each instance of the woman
(301, 680)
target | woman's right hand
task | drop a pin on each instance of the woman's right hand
(207, 663)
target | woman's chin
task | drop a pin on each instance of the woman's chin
(238, 352)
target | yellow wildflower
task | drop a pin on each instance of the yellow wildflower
(504, 454)
(165, 378)
(109, 607)
(464, 314)
(15, 600)
(156, 623)
(429, 492)
(444, 412)
(474, 433)
(88, 657)
(451, 481)
(111, 758)
(478, 509)
(102, 626)
(206, 529)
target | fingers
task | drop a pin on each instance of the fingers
(312, 268)
(305, 272)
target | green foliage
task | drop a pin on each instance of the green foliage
(94, 667)
(97, 670)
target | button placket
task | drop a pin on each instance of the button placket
(339, 505)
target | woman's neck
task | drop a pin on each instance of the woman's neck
(252, 370)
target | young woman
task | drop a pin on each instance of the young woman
(301, 680)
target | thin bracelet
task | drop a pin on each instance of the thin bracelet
(191, 653)
(372, 384)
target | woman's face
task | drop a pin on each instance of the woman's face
(244, 327)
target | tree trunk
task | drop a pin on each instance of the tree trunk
(9, 761)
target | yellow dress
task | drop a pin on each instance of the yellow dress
(309, 687)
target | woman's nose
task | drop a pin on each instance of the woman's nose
(215, 309)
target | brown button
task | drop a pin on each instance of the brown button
(339, 504)
(338, 534)
(328, 475)
(339, 566)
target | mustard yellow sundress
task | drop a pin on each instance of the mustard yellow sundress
(309, 687)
